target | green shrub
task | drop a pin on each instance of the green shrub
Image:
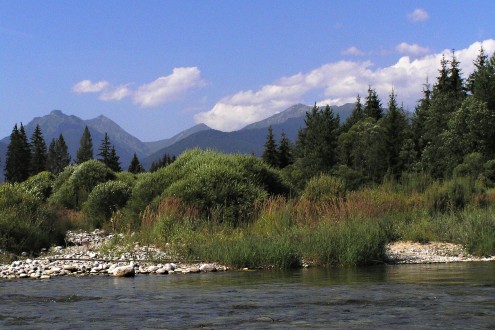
(451, 195)
(40, 185)
(84, 177)
(26, 224)
(324, 188)
(104, 200)
(489, 173)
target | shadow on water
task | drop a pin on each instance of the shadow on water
(405, 296)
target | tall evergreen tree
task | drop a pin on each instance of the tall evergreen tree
(38, 152)
(419, 119)
(58, 155)
(85, 151)
(114, 161)
(135, 166)
(270, 154)
(17, 160)
(396, 132)
(317, 142)
(373, 107)
(285, 157)
(105, 150)
(356, 115)
(164, 161)
(481, 82)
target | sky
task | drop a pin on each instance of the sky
(159, 67)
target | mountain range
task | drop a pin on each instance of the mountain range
(248, 140)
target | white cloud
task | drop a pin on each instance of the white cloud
(354, 51)
(411, 49)
(86, 86)
(338, 83)
(160, 91)
(115, 94)
(165, 89)
(418, 15)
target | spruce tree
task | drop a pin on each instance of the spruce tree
(105, 150)
(17, 160)
(356, 115)
(481, 82)
(85, 151)
(114, 161)
(284, 152)
(38, 152)
(270, 154)
(372, 106)
(135, 166)
(58, 155)
(316, 144)
(396, 132)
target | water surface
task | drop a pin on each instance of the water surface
(460, 295)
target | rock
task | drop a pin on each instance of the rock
(170, 267)
(45, 277)
(70, 268)
(161, 271)
(208, 268)
(124, 271)
(194, 270)
(24, 254)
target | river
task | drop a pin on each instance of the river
(448, 296)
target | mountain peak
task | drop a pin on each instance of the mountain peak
(57, 113)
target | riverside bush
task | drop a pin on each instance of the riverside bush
(324, 188)
(104, 200)
(26, 224)
(40, 185)
(74, 191)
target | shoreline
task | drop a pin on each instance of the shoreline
(83, 257)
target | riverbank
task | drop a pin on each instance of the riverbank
(97, 253)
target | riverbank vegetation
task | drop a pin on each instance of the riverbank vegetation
(335, 197)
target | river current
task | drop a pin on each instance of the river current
(446, 296)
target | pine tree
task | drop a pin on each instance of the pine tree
(38, 152)
(114, 161)
(135, 166)
(164, 161)
(356, 115)
(419, 119)
(105, 150)
(372, 107)
(316, 145)
(58, 155)
(85, 151)
(270, 154)
(396, 132)
(285, 157)
(17, 160)
(481, 82)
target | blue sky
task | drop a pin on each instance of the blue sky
(159, 67)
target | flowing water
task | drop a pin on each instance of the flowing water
(446, 296)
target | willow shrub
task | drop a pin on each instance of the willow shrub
(324, 188)
(40, 185)
(221, 187)
(26, 223)
(105, 199)
(78, 182)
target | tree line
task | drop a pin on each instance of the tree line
(26, 158)
(450, 133)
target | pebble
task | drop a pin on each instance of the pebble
(82, 257)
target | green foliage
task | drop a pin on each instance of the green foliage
(270, 154)
(104, 200)
(26, 224)
(135, 166)
(74, 191)
(451, 195)
(85, 151)
(40, 185)
(372, 106)
(38, 152)
(18, 158)
(58, 155)
(324, 188)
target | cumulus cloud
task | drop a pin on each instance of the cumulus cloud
(162, 90)
(418, 15)
(354, 51)
(167, 88)
(86, 86)
(411, 49)
(338, 83)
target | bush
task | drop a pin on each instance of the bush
(84, 177)
(26, 224)
(40, 185)
(104, 200)
(324, 188)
